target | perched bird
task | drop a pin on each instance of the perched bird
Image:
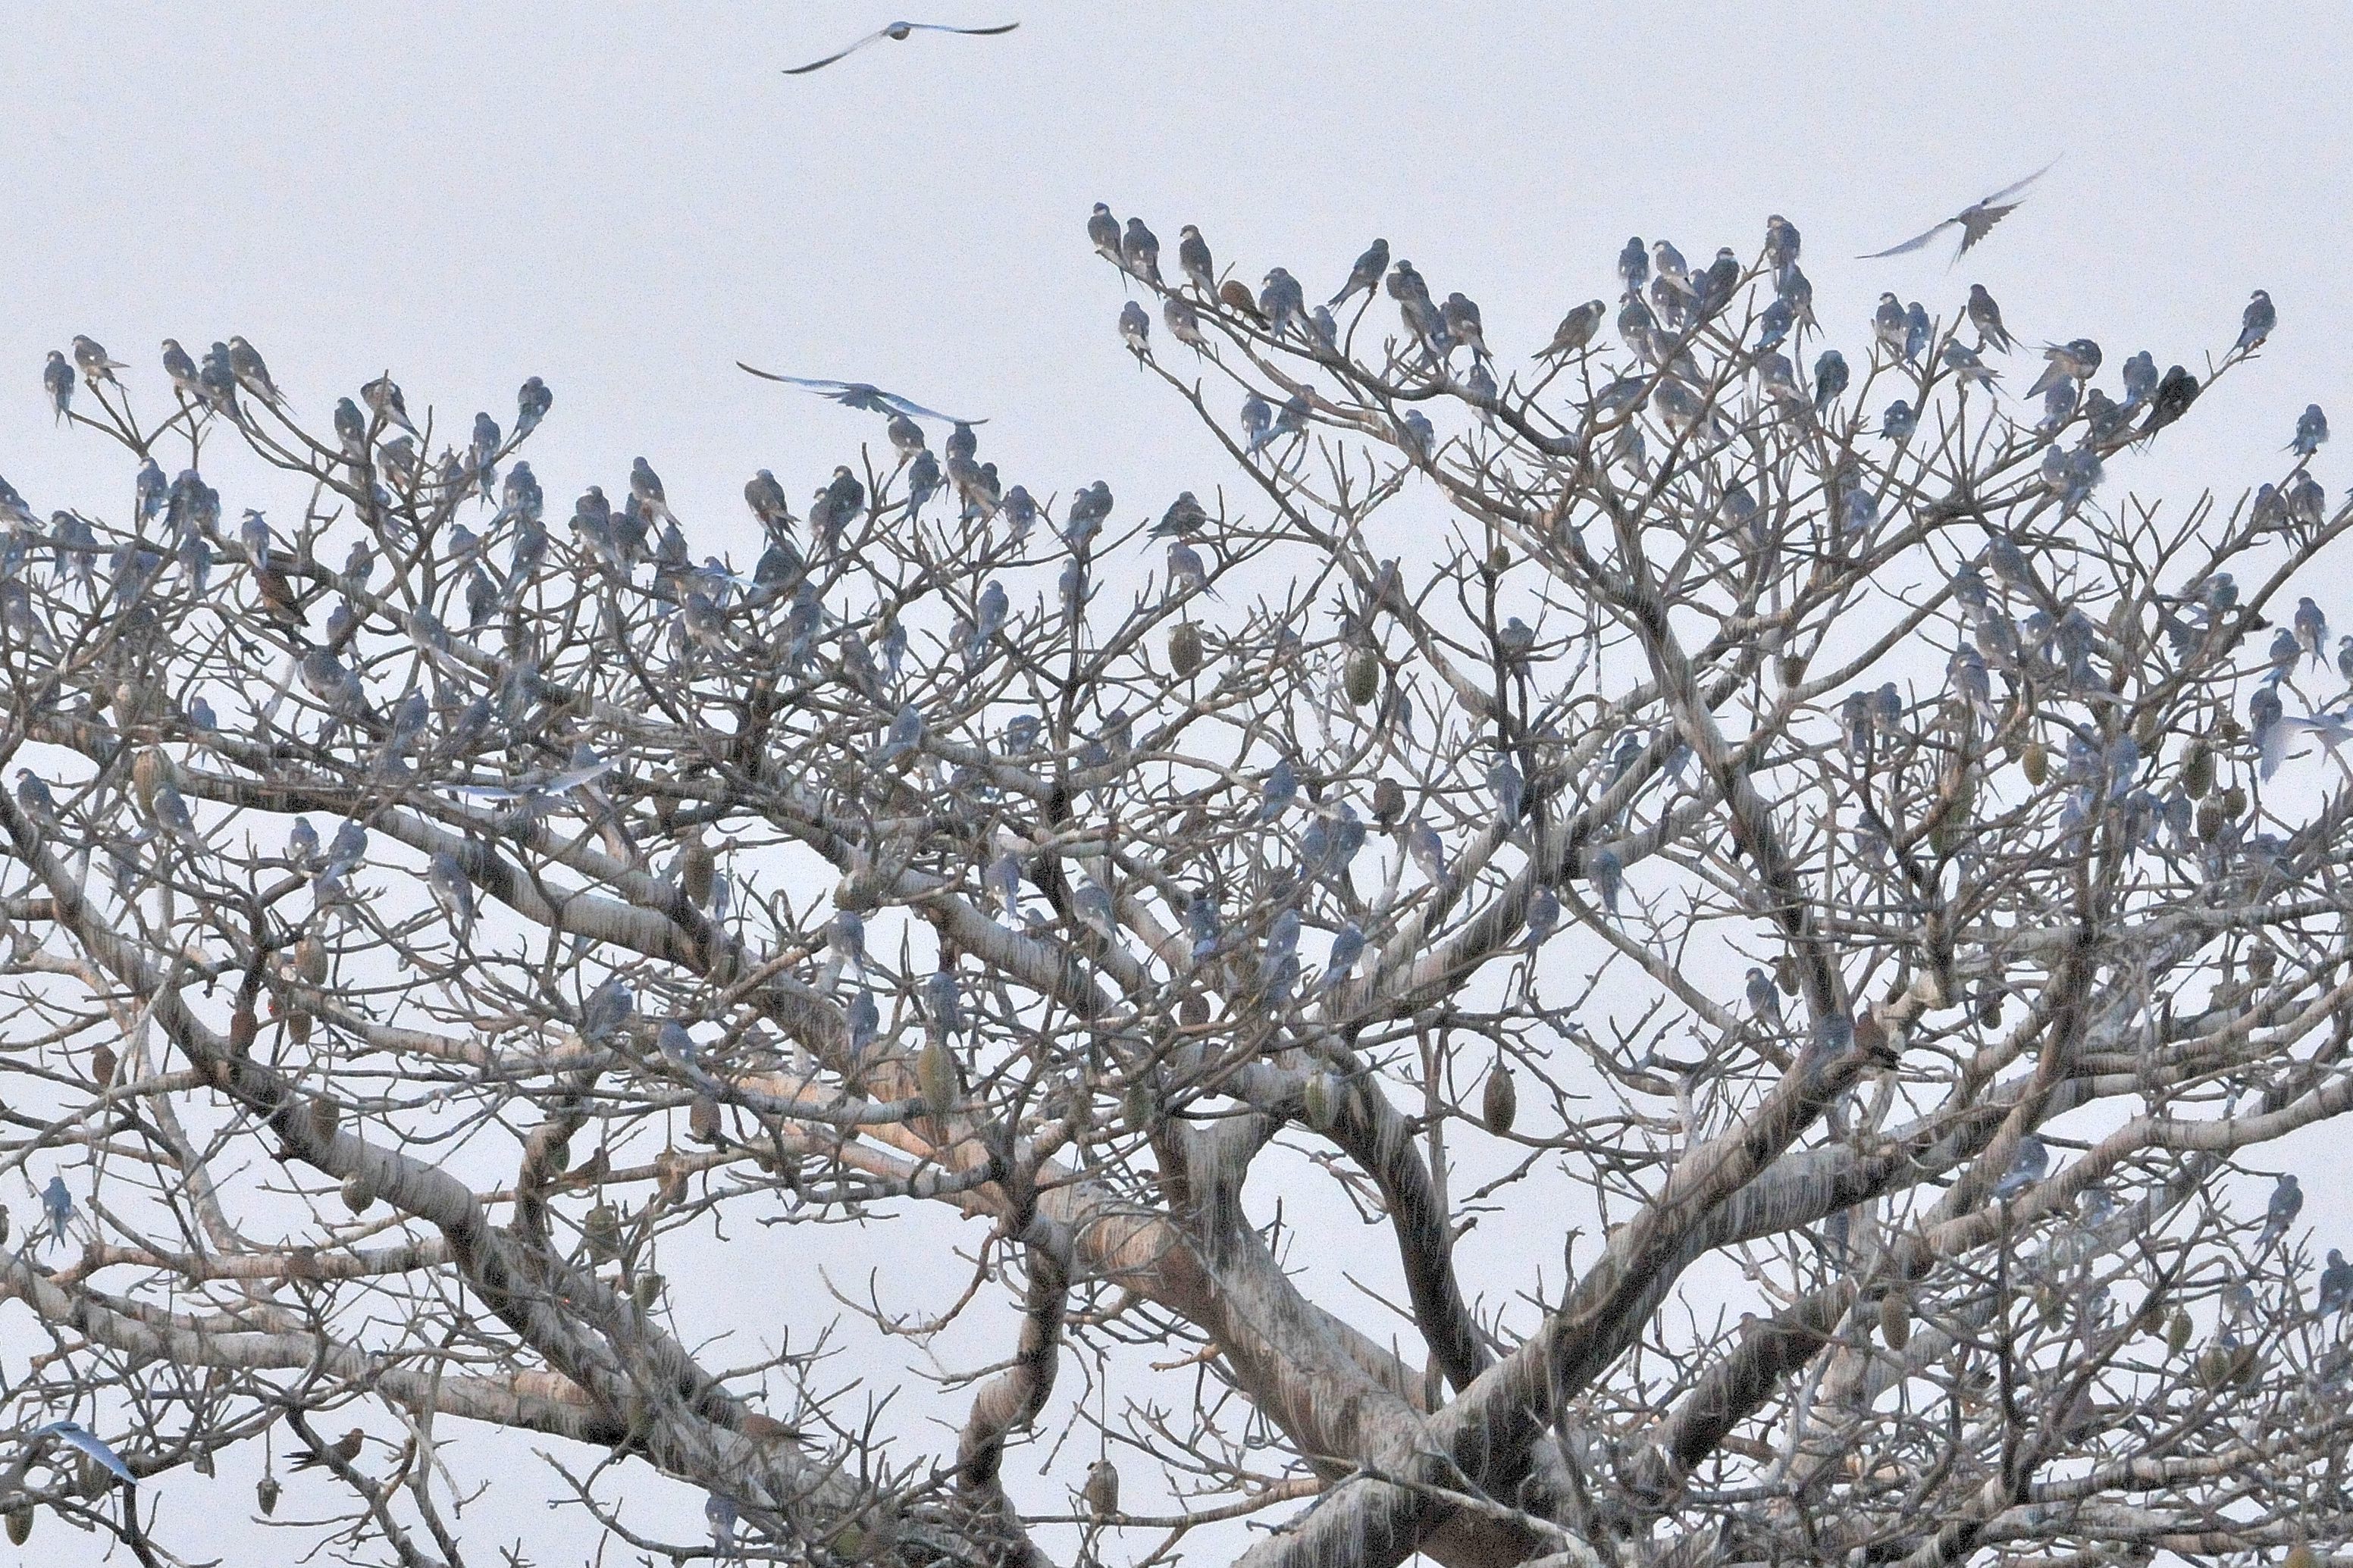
(245, 363)
(1139, 251)
(1103, 231)
(1194, 261)
(57, 378)
(2256, 323)
(1135, 329)
(58, 1206)
(1764, 996)
(345, 1448)
(2027, 1167)
(1281, 302)
(2170, 401)
(2311, 431)
(1366, 276)
(1830, 380)
(1986, 317)
(1975, 221)
(2311, 628)
(719, 1512)
(898, 32)
(646, 489)
(2336, 1285)
(382, 395)
(452, 891)
(609, 1007)
(2286, 1202)
(1575, 330)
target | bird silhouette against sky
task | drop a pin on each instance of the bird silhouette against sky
(898, 32)
(1975, 221)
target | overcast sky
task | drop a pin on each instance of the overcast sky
(624, 201)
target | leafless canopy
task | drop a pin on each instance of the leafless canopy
(458, 969)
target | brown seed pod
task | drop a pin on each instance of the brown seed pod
(1185, 654)
(645, 1289)
(935, 1077)
(265, 1495)
(2036, 760)
(1499, 1101)
(2198, 769)
(1321, 1102)
(1895, 1320)
(2177, 1333)
(1363, 676)
(20, 1523)
(602, 1232)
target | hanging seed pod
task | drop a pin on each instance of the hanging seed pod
(702, 1120)
(2261, 964)
(357, 1195)
(2234, 802)
(20, 1524)
(2148, 729)
(2050, 1308)
(1499, 559)
(4, 1227)
(2150, 1319)
(265, 1495)
(1499, 1102)
(1185, 649)
(670, 1175)
(2227, 731)
(1989, 1007)
(326, 1116)
(935, 1077)
(2209, 820)
(1363, 676)
(1193, 1011)
(2036, 760)
(2198, 769)
(2177, 1331)
(202, 1463)
(1388, 801)
(645, 1289)
(91, 1479)
(298, 1025)
(602, 1232)
(2213, 1367)
(311, 961)
(2301, 1556)
(1136, 1103)
(559, 1156)
(1321, 1102)
(102, 1064)
(2245, 1365)
(1785, 974)
(1895, 1320)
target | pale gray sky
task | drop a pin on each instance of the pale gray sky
(625, 200)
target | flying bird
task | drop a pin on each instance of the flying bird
(862, 395)
(1975, 221)
(898, 32)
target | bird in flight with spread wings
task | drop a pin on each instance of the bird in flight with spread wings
(1975, 221)
(863, 396)
(898, 32)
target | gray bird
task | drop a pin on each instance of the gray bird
(1366, 276)
(2256, 323)
(80, 1436)
(898, 32)
(94, 361)
(1134, 330)
(2286, 1202)
(1193, 260)
(1975, 221)
(253, 375)
(1830, 380)
(1461, 314)
(1576, 330)
(1986, 317)
(1764, 996)
(1279, 791)
(1603, 870)
(1964, 362)
(2077, 360)
(1282, 303)
(646, 489)
(1542, 918)
(533, 400)
(453, 892)
(57, 377)
(1183, 321)
(1103, 231)
(1139, 251)
(2311, 431)
(382, 395)
(2026, 1167)
(1899, 422)
(862, 395)
(58, 1204)
(1781, 242)
(609, 1007)
(2311, 628)
(2336, 1285)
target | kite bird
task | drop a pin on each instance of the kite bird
(898, 32)
(862, 395)
(1975, 220)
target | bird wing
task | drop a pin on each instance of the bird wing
(836, 55)
(2013, 190)
(88, 1443)
(859, 394)
(967, 32)
(1910, 244)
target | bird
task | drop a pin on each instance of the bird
(244, 365)
(452, 891)
(2336, 1285)
(898, 32)
(58, 1206)
(2311, 431)
(2256, 323)
(1764, 996)
(1193, 260)
(57, 377)
(1366, 276)
(719, 1512)
(2286, 1202)
(862, 395)
(345, 1448)
(1975, 221)
(2170, 401)
(2026, 1167)
(1576, 330)
(89, 1442)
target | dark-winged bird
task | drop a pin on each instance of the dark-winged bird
(898, 32)
(1975, 221)
(862, 395)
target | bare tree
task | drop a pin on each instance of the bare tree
(1818, 907)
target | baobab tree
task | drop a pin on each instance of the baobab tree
(1630, 954)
